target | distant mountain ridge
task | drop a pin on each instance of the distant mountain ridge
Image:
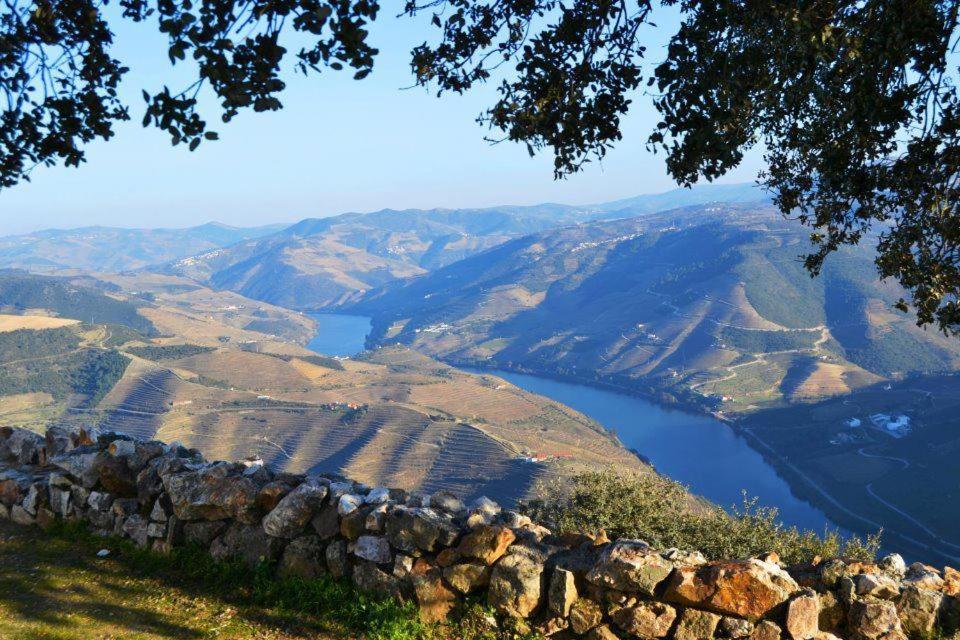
(706, 303)
(117, 249)
(319, 262)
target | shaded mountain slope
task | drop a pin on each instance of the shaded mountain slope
(699, 303)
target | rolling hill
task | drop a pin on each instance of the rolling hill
(207, 379)
(116, 249)
(707, 304)
(327, 261)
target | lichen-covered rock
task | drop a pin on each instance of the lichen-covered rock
(135, 527)
(585, 614)
(374, 549)
(563, 592)
(603, 632)
(486, 543)
(248, 543)
(516, 585)
(82, 464)
(646, 619)
(420, 528)
(326, 523)
(630, 566)
(893, 565)
(874, 620)
(876, 585)
(212, 493)
(294, 511)
(696, 625)
(738, 628)
(467, 577)
(802, 619)
(337, 561)
(746, 589)
(765, 630)
(918, 609)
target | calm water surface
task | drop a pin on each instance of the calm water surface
(697, 450)
(339, 335)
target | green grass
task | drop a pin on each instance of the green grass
(54, 587)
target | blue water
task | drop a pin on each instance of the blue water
(699, 451)
(339, 335)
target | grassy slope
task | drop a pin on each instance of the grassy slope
(54, 587)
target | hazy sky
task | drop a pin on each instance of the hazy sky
(338, 145)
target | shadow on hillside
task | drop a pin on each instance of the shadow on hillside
(53, 588)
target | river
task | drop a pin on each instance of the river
(697, 450)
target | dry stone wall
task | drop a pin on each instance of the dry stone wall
(435, 551)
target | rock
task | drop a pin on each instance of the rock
(337, 562)
(765, 630)
(116, 477)
(893, 565)
(370, 578)
(434, 598)
(630, 566)
(60, 501)
(874, 620)
(696, 625)
(26, 447)
(745, 589)
(348, 504)
(446, 501)
(377, 496)
(951, 581)
(603, 632)
(204, 532)
(562, 592)
(327, 522)
(149, 485)
(374, 549)
(486, 544)
(832, 612)
(270, 494)
(159, 512)
(82, 464)
(20, 516)
(13, 486)
(303, 558)
(802, 619)
(467, 578)
(292, 514)
(736, 627)
(918, 609)
(879, 586)
(376, 518)
(419, 528)
(121, 448)
(211, 494)
(585, 614)
(102, 521)
(58, 441)
(924, 576)
(135, 527)
(354, 524)
(157, 529)
(35, 499)
(402, 565)
(646, 619)
(4, 512)
(246, 542)
(516, 585)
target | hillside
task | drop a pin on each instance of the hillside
(708, 305)
(391, 417)
(117, 249)
(326, 261)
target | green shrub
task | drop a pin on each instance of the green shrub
(168, 351)
(658, 510)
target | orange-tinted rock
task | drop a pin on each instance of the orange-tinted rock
(646, 619)
(746, 589)
(487, 543)
(802, 618)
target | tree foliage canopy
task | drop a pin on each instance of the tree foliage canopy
(854, 102)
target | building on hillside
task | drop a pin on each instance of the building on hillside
(897, 426)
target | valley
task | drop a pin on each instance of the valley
(694, 301)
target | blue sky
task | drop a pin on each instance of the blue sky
(338, 145)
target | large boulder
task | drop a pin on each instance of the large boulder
(918, 609)
(117, 478)
(630, 566)
(516, 585)
(747, 589)
(212, 493)
(294, 511)
(420, 529)
(82, 464)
